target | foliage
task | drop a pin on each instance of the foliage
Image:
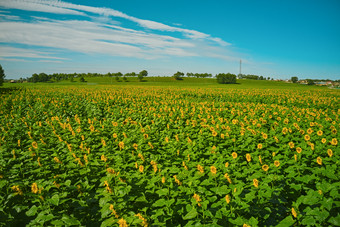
(160, 156)
(142, 74)
(226, 78)
(199, 75)
(2, 75)
(82, 79)
(251, 77)
(294, 79)
(178, 75)
(310, 82)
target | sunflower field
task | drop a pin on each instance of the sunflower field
(167, 156)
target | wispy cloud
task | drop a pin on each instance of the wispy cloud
(14, 52)
(99, 32)
(91, 37)
(61, 7)
(39, 6)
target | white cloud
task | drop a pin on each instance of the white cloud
(61, 7)
(36, 5)
(102, 35)
(11, 52)
(91, 37)
(9, 17)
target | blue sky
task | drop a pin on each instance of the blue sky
(277, 39)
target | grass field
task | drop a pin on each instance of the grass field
(169, 153)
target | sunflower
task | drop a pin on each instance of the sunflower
(277, 163)
(294, 213)
(309, 131)
(319, 160)
(200, 168)
(34, 188)
(122, 223)
(234, 154)
(256, 183)
(323, 140)
(298, 150)
(334, 141)
(291, 145)
(248, 157)
(259, 146)
(34, 145)
(265, 168)
(307, 137)
(330, 152)
(141, 168)
(213, 170)
(227, 199)
(319, 133)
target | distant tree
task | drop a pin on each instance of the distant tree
(228, 78)
(190, 75)
(142, 74)
(72, 78)
(2, 75)
(82, 79)
(178, 75)
(294, 79)
(124, 78)
(310, 82)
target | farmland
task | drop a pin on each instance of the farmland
(169, 153)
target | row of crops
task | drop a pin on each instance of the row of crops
(144, 156)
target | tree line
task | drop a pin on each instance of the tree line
(43, 77)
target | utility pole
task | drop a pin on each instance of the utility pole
(240, 66)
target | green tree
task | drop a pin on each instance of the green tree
(228, 78)
(142, 74)
(310, 82)
(294, 79)
(82, 79)
(2, 75)
(178, 76)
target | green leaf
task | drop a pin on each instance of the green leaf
(104, 200)
(141, 199)
(70, 220)
(32, 211)
(108, 222)
(206, 182)
(169, 202)
(68, 183)
(159, 203)
(288, 221)
(253, 222)
(327, 203)
(308, 220)
(223, 190)
(55, 200)
(162, 192)
(191, 214)
(237, 221)
(57, 223)
(335, 220)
